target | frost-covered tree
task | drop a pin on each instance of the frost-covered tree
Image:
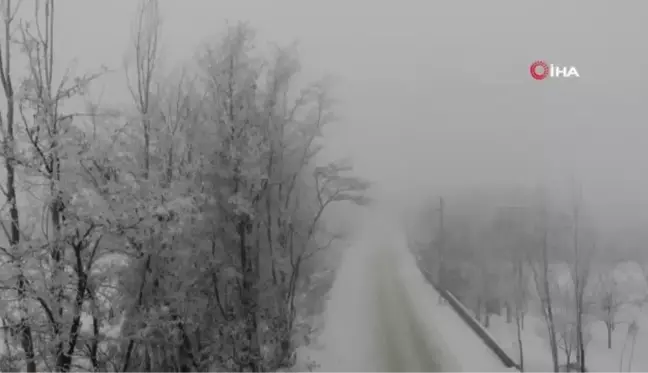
(180, 234)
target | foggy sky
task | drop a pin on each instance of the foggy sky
(437, 93)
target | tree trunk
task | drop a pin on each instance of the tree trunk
(579, 330)
(24, 327)
(632, 348)
(518, 324)
(27, 344)
(549, 304)
(609, 335)
(147, 142)
(581, 348)
(249, 298)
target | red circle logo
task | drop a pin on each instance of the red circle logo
(539, 65)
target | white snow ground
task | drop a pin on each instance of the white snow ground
(600, 358)
(384, 316)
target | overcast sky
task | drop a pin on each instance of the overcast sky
(439, 92)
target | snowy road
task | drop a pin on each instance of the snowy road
(383, 316)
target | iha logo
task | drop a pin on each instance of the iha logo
(540, 70)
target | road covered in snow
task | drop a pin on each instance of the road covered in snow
(384, 316)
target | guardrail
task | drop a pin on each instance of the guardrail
(466, 316)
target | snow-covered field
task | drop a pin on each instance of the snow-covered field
(619, 358)
(383, 316)
(537, 357)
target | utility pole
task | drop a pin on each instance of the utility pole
(440, 241)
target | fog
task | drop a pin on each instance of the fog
(436, 96)
(434, 99)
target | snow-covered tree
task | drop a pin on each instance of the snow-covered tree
(175, 235)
